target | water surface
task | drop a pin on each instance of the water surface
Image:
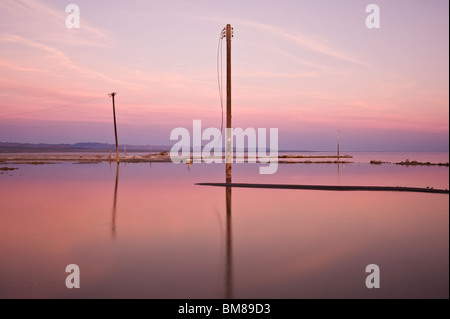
(146, 231)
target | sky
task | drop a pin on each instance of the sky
(308, 68)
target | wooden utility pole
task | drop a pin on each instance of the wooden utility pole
(228, 161)
(228, 157)
(115, 127)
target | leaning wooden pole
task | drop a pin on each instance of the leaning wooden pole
(229, 157)
(115, 126)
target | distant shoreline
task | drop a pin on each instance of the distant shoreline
(94, 147)
(410, 163)
(45, 158)
(91, 157)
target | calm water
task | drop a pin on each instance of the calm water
(157, 235)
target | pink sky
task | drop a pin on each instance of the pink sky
(305, 67)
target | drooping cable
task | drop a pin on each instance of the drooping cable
(220, 72)
(48, 108)
(220, 76)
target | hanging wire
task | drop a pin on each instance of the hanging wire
(48, 108)
(220, 77)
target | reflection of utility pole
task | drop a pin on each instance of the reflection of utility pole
(229, 249)
(338, 177)
(339, 132)
(115, 127)
(115, 201)
(228, 156)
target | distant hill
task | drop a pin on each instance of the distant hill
(85, 146)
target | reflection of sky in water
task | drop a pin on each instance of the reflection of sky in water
(170, 237)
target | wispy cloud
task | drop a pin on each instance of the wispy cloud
(301, 39)
(273, 75)
(44, 12)
(20, 68)
(304, 40)
(59, 57)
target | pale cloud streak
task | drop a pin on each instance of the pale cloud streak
(45, 12)
(299, 38)
(59, 57)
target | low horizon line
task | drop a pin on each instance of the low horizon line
(168, 146)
